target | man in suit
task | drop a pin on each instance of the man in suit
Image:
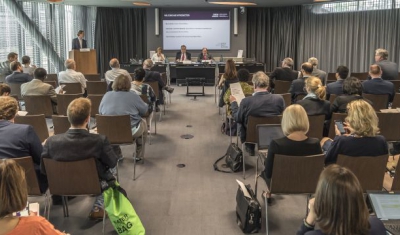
(284, 73)
(115, 71)
(78, 144)
(183, 55)
(204, 55)
(342, 72)
(297, 86)
(18, 76)
(5, 66)
(261, 104)
(377, 85)
(79, 42)
(71, 76)
(317, 72)
(390, 70)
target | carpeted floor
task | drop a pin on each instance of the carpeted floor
(184, 201)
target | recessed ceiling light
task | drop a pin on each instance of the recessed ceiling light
(322, 0)
(142, 4)
(233, 3)
(55, 1)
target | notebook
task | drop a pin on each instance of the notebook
(387, 208)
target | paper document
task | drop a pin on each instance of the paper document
(240, 54)
(237, 92)
(30, 209)
(244, 189)
(152, 53)
(59, 88)
(84, 49)
(22, 113)
(390, 111)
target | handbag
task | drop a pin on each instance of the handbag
(248, 210)
(121, 213)
(233, 159)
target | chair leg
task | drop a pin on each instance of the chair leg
(244, 164)
(48, 206)
(266, 216)
(117, 171)
(134, 168)
(308, 199)
(155, 126)
(142, 148)
(104, 221)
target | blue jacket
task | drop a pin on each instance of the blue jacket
(76, 45)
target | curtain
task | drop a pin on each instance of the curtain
(120, 33)
(272, 34)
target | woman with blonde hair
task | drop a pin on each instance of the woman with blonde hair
(158, 56)
(230, 76)
(314, 102)
(362, 137)
(13, 198)
(339, 207)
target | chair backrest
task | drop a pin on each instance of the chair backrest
(30, 175)
(96, 100)
(38, 122)
(300, 97)
(52, 77)
(396, 181)
(72, 178)
(389, 126)
(330, 81)
(38, 104)
(281, 87)
(164, 78)
(53, 83)
(96, 87)
(268, 132)
(378, 101)
(296, 174)
(370, 171)
(396, 84)
(63, 101)
(396, 101)
(15, 89)
(92, 77)
(251, 134)
(72, 88)
(155, 87)
(116, 128)
(332, 98)
(287, 97)
(338, 117)
(331, 77)
(146, 100)
(360, 76)
(60, 123)
(316, 126)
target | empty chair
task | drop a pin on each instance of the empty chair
(92, 77)
(38, 104)
(396, 101)
(378, 101)
(60, 123)
(316, 126)
(63, 101)
(396, 84)
(287, 97)
(96, 87)
(38, 122)
(52, 78)
(72, 88)
(389, 126)
(281, 87)
(15, 90)
(331, 77)
(361, 76)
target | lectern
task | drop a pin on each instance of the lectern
(86, 61)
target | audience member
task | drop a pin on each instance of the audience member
(158, 56)
(27, 67)
(339, 206)
(314, 102)
(377, 85)
(183, 55)
(18, 140)
(243, 75)
(352, 90)
(141, 88)
(129, 103)
(17, 76)
(389, 68)
(284, 73)
(317, 72)
(71, 76)
(342, 72)
(204, 55)
(115, 71)
(13, 198)
(261, 104)
(229, 76)
(78, 144)
(297, 86)
(362, 139)
(295, 126)
(5, 66)
(5, 90)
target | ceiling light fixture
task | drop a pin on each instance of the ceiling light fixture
(233, 3)
(142, 4)
(55, 1)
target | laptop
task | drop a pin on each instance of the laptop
(387, 208)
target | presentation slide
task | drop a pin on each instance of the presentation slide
(196, 29)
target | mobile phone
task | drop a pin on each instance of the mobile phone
(340, 126)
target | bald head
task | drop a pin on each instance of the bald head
(375, 71)
(307, 68)
(70, 64)
(114, 63)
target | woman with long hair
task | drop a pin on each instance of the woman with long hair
(230, 76)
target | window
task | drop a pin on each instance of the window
(361, 5)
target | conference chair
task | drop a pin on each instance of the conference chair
(332, 98)
(330, 81)
(146, 100)
(287, 97)
(96, 87)
(396, 84)
(396, 101)
(338, 117)
(331, 77)
(60, 123)
(166, 81)
(38, 104)
(156, 90)
(52, 77)
(63, 101)
(74, 178)
(316, 128)
(217, 88)
(93, 77)
(281, 87)
(378, 101)
(38, 122)
(294, 175)
(395, 184)
(96, 100)
(15, 90)
(53, 83)
(370, 171)
(360, 76)
(72, 88)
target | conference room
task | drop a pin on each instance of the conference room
(150, 94)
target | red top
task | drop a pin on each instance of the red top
(34, 225)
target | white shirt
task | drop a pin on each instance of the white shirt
(156, 58)
(80, 42)
(71, 76)
(112, 74)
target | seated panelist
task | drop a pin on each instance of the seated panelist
(204, 55)
(183, 55)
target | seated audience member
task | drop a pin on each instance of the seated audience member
(337, 87)
(284, 73)
(261, 104)
(71, 76)
(295, 126)
(229, 76)
(19, 140)
(204, 55)
(38, 87)
(128, 103)
(27, 67)
(314, 102)
(13, 198)
(115, 71)
(5, 90)
(158, 56)
(141, 88)
(361, 140)
(297, 86)
(183, 55)
(389, 68)
(339, 206)
(317, 72)
(377, 85)
(243, 75)
(17, 75)
(5, 66)
(352, 90)
(78, 144)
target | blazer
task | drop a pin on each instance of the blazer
(319, 74)
(79, 144)
(18, 77)
(315, 106)
(297, 88)
(178, 56)
(389, 70)
(283, 74)
(201, 57)
(76, 45)
(334, 88)
(339, 105)
(378, 86)
(37, 87)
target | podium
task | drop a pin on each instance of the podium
(86, 61)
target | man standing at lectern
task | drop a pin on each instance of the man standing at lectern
(204, 55)
(183, 55)
(79, 42)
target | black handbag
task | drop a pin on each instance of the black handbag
(248, 211)
(233, 158)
